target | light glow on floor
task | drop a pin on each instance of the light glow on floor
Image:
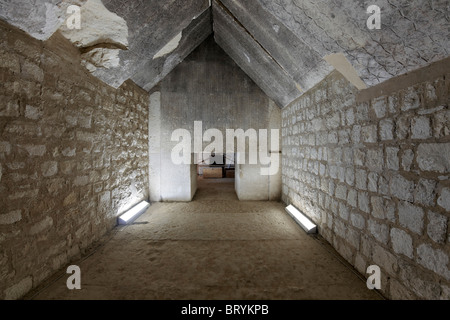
(301, 219)
(133, 213)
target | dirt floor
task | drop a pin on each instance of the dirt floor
(215, 247)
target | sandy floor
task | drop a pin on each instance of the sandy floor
(215, 247)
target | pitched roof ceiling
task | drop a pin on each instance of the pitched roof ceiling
(285, 46)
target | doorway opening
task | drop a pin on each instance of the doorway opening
(216, 166)
(216, 176)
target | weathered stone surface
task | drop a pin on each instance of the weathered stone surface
(360, 263)
(32, 71)
(421, 284)
(296, 35)
(49, 156)
(356, 138)
(380, 107)
(308, 19)
(372, 184)
(70, 199)
(361, 179)
(151, 25)
(401, 188)
(411, 99)
(407, 159)
(363, 202)
(437, 227)
(375, 160)
(411, 217)
(38, 150)
(382, 208)
(5, 147)
(353, 238)
(434, 157)
(392, 160)
(69, 152)
(421, 128)
(386, 129)
(441, 123)
(369, 134)
(444, 199)
(41, 225)
(352, 197)
(350, 177)
(101, 58)
(385, 259)
(393, 103)
(240, 46)
(408, 196)
(424, 192)
(101, 36)
(403, 127)
(433, 259)
(341, 192)
(9, 62)
(19, 289)
(153, 71)
(399, 291)
(49, 168)
(357, 220)
(445, 294)
(33, 113)
(9, 109)
(402, 242)
(283, 46)
(143, 26)
(344, 211)
(11, 217)
(99, 27)
(379, 231)
(40, 20)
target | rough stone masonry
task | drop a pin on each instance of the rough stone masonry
(73, 156)
(372, 169)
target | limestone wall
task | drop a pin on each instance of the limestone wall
(73, 156)
(372, 169)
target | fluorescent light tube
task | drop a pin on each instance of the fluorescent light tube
(133, 213)
(301, 219)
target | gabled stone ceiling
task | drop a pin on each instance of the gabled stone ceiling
(160, 34)
(152, 24)
(38, 18)
(282, 44)
(285, 46)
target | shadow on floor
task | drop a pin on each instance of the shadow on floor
(215, 247)
(215, 189)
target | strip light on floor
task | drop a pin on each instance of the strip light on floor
(133, 213)
(301, 219)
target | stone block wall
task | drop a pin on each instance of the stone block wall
(73, 156)
(373, 171)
